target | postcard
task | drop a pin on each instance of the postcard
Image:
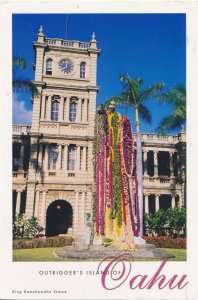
(98, 153)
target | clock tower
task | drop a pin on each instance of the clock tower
(60, 178)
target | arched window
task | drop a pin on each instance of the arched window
(82, 70)
(55, 109)
(49, 66)
(72, 112)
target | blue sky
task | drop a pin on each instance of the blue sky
(150, 46)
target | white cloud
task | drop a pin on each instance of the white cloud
(20, 114)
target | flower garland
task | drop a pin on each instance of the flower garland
(129, 168)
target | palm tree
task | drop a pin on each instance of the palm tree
(177, 98)
(135, 95)
(20, 84)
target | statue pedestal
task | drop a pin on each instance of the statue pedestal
(139, 240)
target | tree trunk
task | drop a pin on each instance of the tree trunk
(139, 176)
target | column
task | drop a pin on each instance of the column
(67, 109)
(146, 204)
(78, 158)
(155, 163)
(173, 201)
(59, 157)
(61, 109)
(18, 202)
(145, 162)
(43, 107)
(86, 110)
(76, 207)
(171, 164)
(156, 202)
(83, 208)
(79, 110)
(46, 156)
(21, 156)
(84, 167)
(36, 209)
(40, 156)
(43, 208)
(65, 156)
(49, 106)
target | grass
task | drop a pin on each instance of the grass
(48, 254)
(180, 254)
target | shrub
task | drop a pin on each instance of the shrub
(26, 228)
(166, 242)
(171, 222)
(57, 241)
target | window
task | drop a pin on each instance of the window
(71, 157)
(49, 66)
(82, 70)
(55, 109)
(53, 155)
(72, 112)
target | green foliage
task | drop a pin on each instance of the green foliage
(155, 222)
(117, 190)
(175, 120)
(166, 242)
(57, 241)
(171, 222)
(107, 242)
(25, 228)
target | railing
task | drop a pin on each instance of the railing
(21, 129)
(20, 174)
(65, 43)
(158, 180)
(157, 138)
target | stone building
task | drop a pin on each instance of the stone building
(52, 159)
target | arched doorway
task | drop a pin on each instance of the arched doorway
(59, 218)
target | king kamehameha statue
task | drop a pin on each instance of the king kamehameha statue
(116, 208)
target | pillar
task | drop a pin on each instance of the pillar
(36, 209)
(156, 202)
(21, 156)
(46, 156)
(65, 157)
(40, 156)
(79, 110)
(49, 106)
(18, 202)
(78, 158)
(180, 201)
(76, 207)
(146, 204)
(83, 208)
(171, 164)
(59, 157)
(145, 162)
(173, 201)
(67, 109)
(43, 208)
(43, 107)
(61, 109)
(85, 110)
(155, 164)
(84, 167)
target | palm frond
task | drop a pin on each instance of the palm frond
(18, 63)
(21, 85)
(169, 123)
(151, 92)
(145, 114)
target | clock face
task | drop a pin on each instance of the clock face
(66, 66)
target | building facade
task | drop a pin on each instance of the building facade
(52, 159)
